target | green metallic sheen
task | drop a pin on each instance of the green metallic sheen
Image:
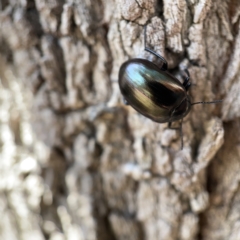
(153, 92)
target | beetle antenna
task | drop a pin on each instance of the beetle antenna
(180, 129)
(216, 101)
(164, 66)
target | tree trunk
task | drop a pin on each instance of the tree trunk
(76, 163)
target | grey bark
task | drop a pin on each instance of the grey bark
(75, 163)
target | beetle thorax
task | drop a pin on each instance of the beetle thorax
(181, 110)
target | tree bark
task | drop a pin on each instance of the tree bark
(76, 163)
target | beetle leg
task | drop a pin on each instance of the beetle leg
(178, 128)
(164, 66)
(125, 101)
(186, 82)
(188, 86)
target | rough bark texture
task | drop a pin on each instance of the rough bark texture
(75, 163)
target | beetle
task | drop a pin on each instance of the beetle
(155, 93)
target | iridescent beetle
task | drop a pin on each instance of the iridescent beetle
(154, 92)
